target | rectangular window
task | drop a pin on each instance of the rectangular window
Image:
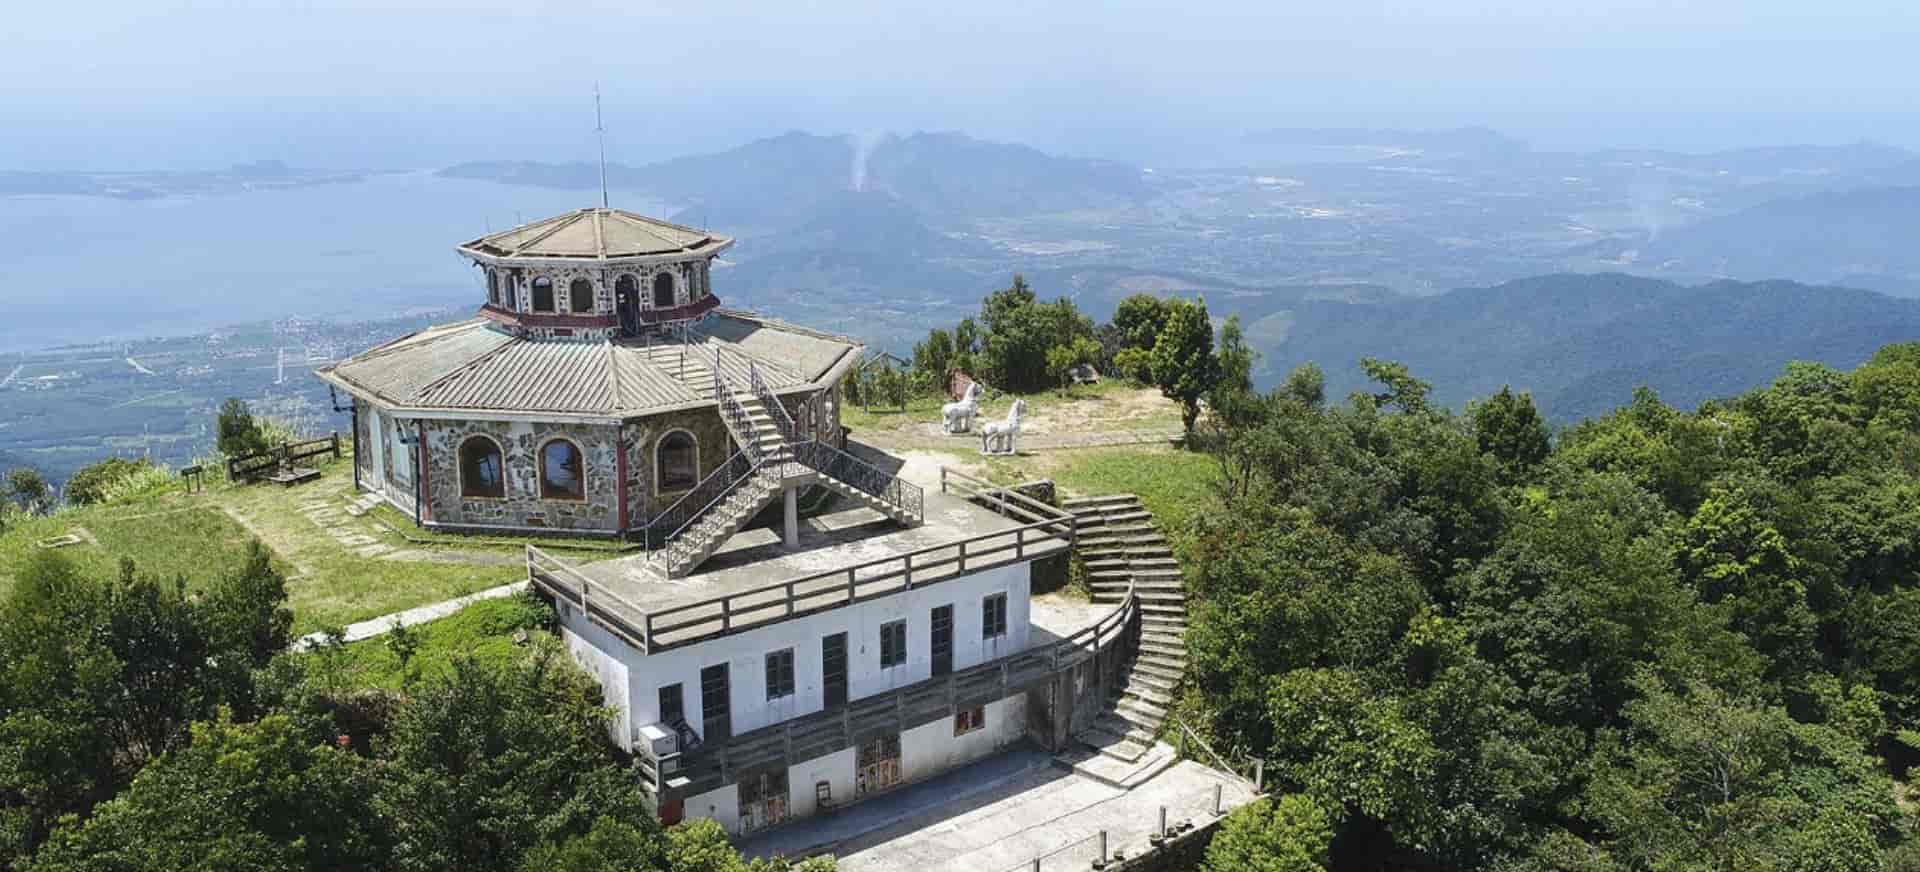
(672, 704)
(967, 720)
(893, 643)
(780, 673)
(993, 616)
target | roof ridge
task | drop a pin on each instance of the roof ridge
(560, 222)
(750, 315)
(613, 377)
(467, 367)
(439, 331)
(660, 222)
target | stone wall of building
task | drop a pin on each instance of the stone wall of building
(520, 443)
(713, 446)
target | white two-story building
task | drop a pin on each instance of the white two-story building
(791, 675)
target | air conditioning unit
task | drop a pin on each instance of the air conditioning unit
(659, 740)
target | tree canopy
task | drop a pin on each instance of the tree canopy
(1659, 639)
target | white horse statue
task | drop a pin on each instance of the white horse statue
(959, 416)
(1003, 437)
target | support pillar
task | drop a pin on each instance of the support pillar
(791, 496)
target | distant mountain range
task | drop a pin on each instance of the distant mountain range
(1868, 237)
(1581, 343)
(772, 184)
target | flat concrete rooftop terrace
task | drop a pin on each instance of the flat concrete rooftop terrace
(843, 556)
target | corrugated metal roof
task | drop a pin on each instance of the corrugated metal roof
(805, 354)
(480, 366)
(597, 233)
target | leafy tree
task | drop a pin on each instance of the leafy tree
(239, 433)
(99, 677)
(1140, 318)
(1305, 385)
(610, 846)
(1399, 386)
(1184, 367)
(1062, 359)
(1135, 364)
(91, 484)
(240, 796)
(26, 489)
(1020, 331)
(1509, 428)
(1288, 835)
(482, 765)
(933, 358)
(1707, 779)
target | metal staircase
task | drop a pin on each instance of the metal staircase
(1120, 545)
(774, 457)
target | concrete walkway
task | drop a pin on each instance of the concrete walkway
(1000, 814)
(417, 615)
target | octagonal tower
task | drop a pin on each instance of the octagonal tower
(596, 274)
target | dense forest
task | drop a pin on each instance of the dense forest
(1658, 639)
(143, 727)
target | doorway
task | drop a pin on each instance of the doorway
(716, 704)
(833, 668)
(942, 639)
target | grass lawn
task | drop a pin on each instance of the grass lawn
(1172, 482)
(329, 583)
(202, 535)
(484, 631)
(1111, 404)
(164, 538)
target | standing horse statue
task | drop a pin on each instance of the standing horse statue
(1003, 437)
(959, 416)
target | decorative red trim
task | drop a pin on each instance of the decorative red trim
(680, 313)
(426, 479)
(532, 319)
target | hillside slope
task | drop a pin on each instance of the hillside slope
(1582, 342)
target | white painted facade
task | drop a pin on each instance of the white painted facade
(633, 680)
(925, 751)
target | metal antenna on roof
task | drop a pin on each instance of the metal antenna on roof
(601, 129)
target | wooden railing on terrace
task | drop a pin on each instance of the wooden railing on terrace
(662, 629)
(827, 731)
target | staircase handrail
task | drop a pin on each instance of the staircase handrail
(696, 499)
(734, 415)
(1258, 766)
(775, 409)
(862, 476)
(677, 545)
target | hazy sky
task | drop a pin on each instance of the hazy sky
(163, 83)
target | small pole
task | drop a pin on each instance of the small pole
(1103, 847)
(1163, 822)
(1036, 864)
(1218, 789)
(1259, 774)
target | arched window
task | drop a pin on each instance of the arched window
(626, 284)
(543, 294)
(481, 474)
(580, 296)
(677, 461)
(663, 291)
(562, 476)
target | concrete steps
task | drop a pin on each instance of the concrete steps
(684, 364)
(869, 500)
(1122, 550)
(686, 552)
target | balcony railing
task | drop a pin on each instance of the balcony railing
(862, 476)
(662, 629)
(832, 729)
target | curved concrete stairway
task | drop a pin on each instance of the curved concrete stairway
(1119, 543)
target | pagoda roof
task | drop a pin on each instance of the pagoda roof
(596, 235)
(479, 369)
